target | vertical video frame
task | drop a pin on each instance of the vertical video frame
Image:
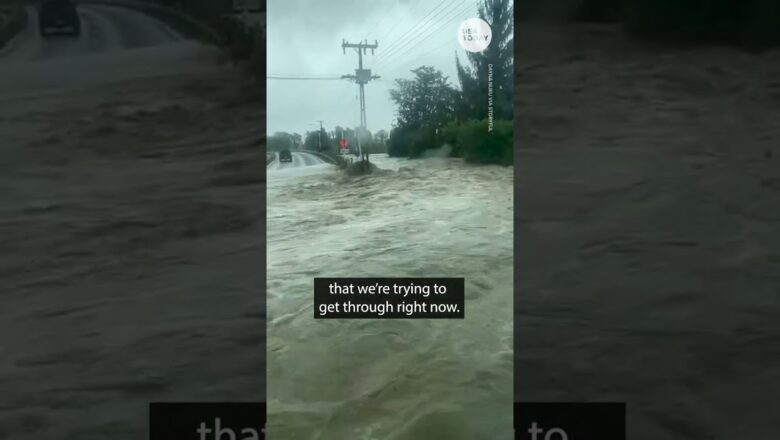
(390, 219)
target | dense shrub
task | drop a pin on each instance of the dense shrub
(450, 136)
(470, 140)
(398, 144)
(476, 144)
(423, 139)
(412, 142)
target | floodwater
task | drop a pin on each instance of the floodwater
(393, 379)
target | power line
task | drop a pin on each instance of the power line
(449, 19)
(419, 26)
(381, 22)
(414, 10)
(419, 23)
(420, 44)
(426, 53)
(393, 46)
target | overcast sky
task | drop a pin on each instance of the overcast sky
(304, 39)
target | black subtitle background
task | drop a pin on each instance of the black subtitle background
(580, 421)
(455, 295)
(180, 420)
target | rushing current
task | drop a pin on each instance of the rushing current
(390, 379)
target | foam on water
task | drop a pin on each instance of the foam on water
(395, 379)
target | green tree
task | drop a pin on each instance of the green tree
(281, 140)
(381, 137)
(494, 63)
(424, 105)
(428, 100)
(318, 140)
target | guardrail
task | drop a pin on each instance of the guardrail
(324, 156)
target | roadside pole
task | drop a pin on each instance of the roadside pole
(361, 77)
(319, 136)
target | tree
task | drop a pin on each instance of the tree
(318, 140)
(425, 104)
(494, 62)
(281, 141)
(428, 100)
(381, 136)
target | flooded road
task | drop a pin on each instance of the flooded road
(395, 379)
(299, 159)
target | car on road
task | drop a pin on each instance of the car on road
(285, 156)
(58, 16)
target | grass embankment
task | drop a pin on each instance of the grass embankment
(13, 18)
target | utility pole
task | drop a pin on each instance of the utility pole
(361, 77)
(319, 135)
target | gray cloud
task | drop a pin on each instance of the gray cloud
(304, 39)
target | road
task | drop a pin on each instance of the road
(299, 159)
(131, 226)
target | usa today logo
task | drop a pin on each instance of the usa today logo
(474, 34)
